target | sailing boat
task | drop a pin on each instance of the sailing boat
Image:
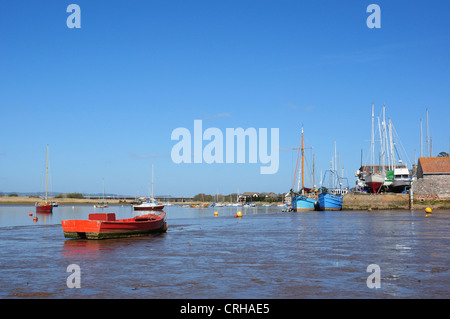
(300, 202)
(149, 203)
(331, 198)
(374, 180)
(45, 207)
(102, 204)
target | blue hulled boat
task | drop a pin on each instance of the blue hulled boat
(303, 203)
(329, 201)
(299, 200)
(332, 198)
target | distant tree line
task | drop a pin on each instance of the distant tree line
(234, 198)
(70, 195)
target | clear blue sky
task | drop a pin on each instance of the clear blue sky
(106, 97)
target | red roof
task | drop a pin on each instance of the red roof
(433, 165)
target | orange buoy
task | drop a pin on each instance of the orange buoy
(35, 218)
(30, 214)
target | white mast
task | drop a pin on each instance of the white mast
(392, 144)
(373, 141)
(385, 143)
(46, 177)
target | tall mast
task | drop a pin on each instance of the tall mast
(335, 164)
(314, 178)
(373, 142)
(303, 160)
(383, 140)
(46, 176)
(392, 144)
(428, 138)
(421, 139)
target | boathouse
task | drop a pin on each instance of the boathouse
(433, 179)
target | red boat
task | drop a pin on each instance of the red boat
(105, 225)
(44, 208)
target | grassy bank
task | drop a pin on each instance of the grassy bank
(61, 201)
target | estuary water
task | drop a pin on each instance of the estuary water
(265, 254)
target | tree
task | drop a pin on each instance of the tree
(443, 154)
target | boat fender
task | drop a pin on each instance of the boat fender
(165, 227)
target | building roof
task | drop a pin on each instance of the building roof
(250, 194)
(435, 165)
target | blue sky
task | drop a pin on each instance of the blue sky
(106, 97)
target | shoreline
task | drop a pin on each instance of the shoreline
(354, 201)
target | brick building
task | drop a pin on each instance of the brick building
(433, 179)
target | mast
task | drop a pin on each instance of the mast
(383, 141)
(335, 164)
(392, 144)
(428, 138)
(421, 139)
(314, 179)
(46, 177)
(373, 141)
(303, 161)
(296, 166)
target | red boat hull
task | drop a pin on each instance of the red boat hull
(374, 186)
(105, 225)
(46, 209)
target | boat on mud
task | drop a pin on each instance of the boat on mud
(105, 225)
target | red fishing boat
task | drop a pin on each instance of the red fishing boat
(105, 225)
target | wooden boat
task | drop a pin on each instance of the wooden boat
(105, 225)
(302, 201)
(45, 207)
(328, 201)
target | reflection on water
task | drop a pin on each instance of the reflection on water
(264, 254)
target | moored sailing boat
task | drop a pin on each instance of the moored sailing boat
(149, 203)
(301, 202)
(374, 180)
(331, 199)
(45, 207)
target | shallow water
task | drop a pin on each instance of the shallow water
(264, 254)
